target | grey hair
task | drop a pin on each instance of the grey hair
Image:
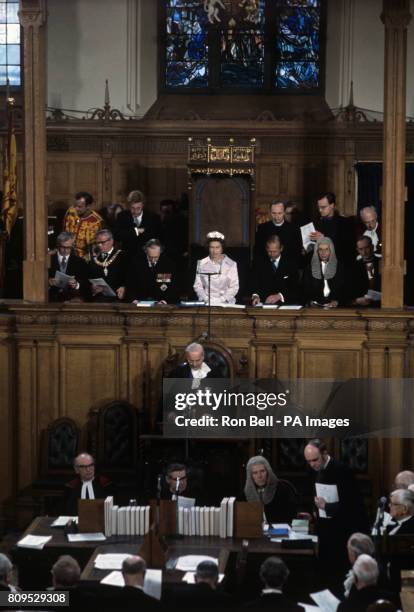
(194, 346)
(372, 208)
(105, 232)
(404, 497)
(331, 264)
(66, 571)
(404, 479)
(75, 461)
(366, 569)
(5, 566)
(64, 236)
(250, 489)
(361, 544)
(152, 243)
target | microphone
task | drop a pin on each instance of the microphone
(382, 502)
(177, 485)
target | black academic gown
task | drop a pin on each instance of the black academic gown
(274, 601)
(75, 266)
(266, 280)
(288, 233)
(102, 487)
(195, 597)
(346, 516)
(283, 508)
(341, 231)
(358, 601)
(146, 282)
(399, 562)
(115, 277)
(313, 287)
(359, 284)
(125, 232)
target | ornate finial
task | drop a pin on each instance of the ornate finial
(106, 113)
(351, 113)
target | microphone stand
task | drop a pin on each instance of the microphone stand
(157, 513)
(209, 275)
(177, 488)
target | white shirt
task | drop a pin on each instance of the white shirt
(269, 591)
(199, 375)
(398, 525)
(326, 290)
(60, 257)
(373, 235)
(87, 486)
(138, 220)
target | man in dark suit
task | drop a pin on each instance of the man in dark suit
(339, 229)
(371, 226)
(204, 594)
(135, 226)
(86, 485)
(402, 514)
(179, 481)
(273, 574)
(288, 233)
(275, 277)
(366, 591)
(152, 276)
(195, 367)
(132, 596)
(336, 520)
(365, 274)
(110, 265)
(66, 261)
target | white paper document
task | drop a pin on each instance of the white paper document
(306, 231)
(62, 280)
(101, 282)
(329, 493)
(308, 607)
(115, 578)
(62, 521)
(110, 561)
(189, 577)
(86, 537)
(291, 307)
(185, 502)
(374, 295)
(326, 600)
(188, 563)
(37, 542)
(239, 306)
(152, 581)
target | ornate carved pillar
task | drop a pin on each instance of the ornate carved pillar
(396, 17)
(33, 20)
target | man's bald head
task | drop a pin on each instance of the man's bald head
(133, 570)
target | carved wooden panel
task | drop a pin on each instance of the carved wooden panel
(68, 173)
(323, 363)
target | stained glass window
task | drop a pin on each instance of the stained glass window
(268, 45)
(9, 43)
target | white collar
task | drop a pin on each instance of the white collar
(87, 486)
(268, 591)
(201, 372)
(278, 224)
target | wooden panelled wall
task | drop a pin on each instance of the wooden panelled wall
(61, 361)
(295, 160)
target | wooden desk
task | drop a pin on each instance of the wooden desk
(35, 565)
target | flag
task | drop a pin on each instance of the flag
(9, 207)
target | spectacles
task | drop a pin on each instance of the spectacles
(395, 504)
(103, 241)
(85, 467)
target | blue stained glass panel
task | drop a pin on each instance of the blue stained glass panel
(186, 74)
(14, 75)
(13, 54)
(303, 3)
(242, 55)
(12, 12)
(298, 35)
(297, 75)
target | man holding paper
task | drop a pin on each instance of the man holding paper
(340, 508)
(107, 270)
(365, 282)
(68, 273)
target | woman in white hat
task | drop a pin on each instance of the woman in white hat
(222, 272)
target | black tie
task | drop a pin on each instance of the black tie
(63, 264)
(103, 256)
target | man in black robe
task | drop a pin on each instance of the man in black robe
(288, 233)
(365, 282)
(86, 485)
(152, 276)
(339, 229)
(135, 226)
(335, 520)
